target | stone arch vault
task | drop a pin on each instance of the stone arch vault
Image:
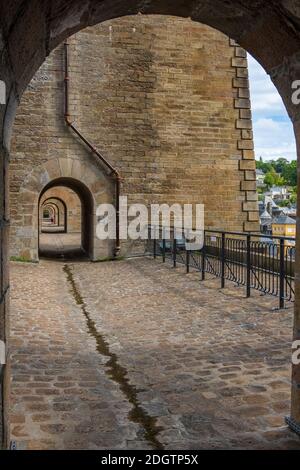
(30, 30)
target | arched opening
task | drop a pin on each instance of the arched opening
(58, 206)
(67, 232)
(270, 32)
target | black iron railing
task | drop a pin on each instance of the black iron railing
(255, 261)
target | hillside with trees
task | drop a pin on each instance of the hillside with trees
(279, 172)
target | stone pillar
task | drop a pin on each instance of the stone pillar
(4, 291)
(294, 421)
(284, 76)
(7, 114)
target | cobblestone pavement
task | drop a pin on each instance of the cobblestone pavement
(60, 244)
(136, 354)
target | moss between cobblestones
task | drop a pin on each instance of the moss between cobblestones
(21, 259)
(104, 260)
(116, 372)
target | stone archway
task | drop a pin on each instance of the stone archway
(85, 244)
(61, 212)
(269, 30)
(92, 187)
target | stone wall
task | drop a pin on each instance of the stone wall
(164, 99)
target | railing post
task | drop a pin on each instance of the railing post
(164, 250)
(187, 260)
(154, 248)
(281, 273)
(203, 261)
(174, 251)
(223, 261)
(248, 287)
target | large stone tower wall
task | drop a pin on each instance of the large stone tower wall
(164, 99)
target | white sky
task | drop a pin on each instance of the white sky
(273, 131)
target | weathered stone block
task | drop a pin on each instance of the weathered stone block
(245, 145)
(240, 83)
(244, 93)
(250, 206)
(243, 124)
(251, 226)
(250, 175)
(240, 52)
(251, 196)
(245, 114)
(247, 164)
(247, 134)
(242, 103)
(248, 154)
(239, 62)
(248, 185)
(253, 216)
(242, 73)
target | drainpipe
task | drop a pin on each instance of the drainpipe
(113, 171)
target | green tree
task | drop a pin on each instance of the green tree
(293, 198)
(273, 179)
(264, 166)
(269, 180)
(280, 165)
(284, 203)
(290, 173)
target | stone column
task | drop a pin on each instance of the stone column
(284, 76)
(294, 421)
(7, 113)
(4, 291)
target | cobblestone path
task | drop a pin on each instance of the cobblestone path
(135, 354)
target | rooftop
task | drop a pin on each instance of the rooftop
(284, 220)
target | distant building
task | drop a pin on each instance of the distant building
(284, 226)
(265, 222)
(260, 177)
(280, 193)
(290, 211)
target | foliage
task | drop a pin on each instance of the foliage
(289, 173)
(273, 179)
(293, 198)
(285, 203)
(21, 259)
(278, 172)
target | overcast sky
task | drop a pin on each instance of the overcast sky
(273, 131)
